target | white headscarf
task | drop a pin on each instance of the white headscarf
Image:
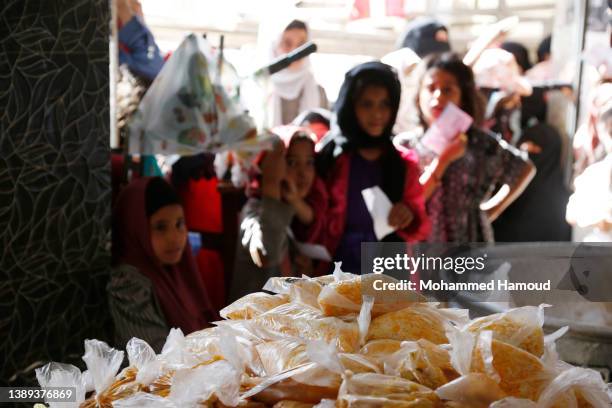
(287, 84)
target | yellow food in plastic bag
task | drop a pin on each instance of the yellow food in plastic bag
(252, 305)
(345, 297)
(378, 390)
(511, 331)
(428, 364)
(300, 321)
(521, 374)
(411, 323)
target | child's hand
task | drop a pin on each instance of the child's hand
(274, 164)
(273, 171)
(400, 216)
(454, 150)
(289, 191)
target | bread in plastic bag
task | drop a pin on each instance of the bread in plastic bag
(411, 323)
(473, 390)
(520, 327)
(292, 404)
(423, 362)
(205, 384)
(521, 374)
(300, 321)
(344, 297)
(143, 399)
(252, 305)
(103, 362)
(301, 290)
(378, 390)
(282, 387)
(512, 402)
(380, 350)
(62, 375)
(576, 387)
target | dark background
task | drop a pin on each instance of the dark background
(54, 182)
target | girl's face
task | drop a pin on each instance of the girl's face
(290, 40)
(438, 88)
(168, 234)
(300, 165)
(373, 110)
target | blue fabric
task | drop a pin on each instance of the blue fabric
(359, 225)
(144, 58)
(150, 167)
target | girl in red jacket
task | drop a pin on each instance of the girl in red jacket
(357, 154)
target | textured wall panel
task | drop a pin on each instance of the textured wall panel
(54, 181)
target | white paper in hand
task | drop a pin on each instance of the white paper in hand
(441, 133)
(379, 207)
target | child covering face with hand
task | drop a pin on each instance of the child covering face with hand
(284, 195)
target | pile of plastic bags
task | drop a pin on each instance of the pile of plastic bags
(317, 342)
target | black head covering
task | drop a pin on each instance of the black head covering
(159, 194)
(346, 134)
(521, 54)
(420, 37)
(355, 80)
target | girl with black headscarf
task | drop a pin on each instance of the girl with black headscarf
(357, 154)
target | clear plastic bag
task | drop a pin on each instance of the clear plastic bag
(471, 391)
(423, 362)
(380, 351)
(576, 388)
(184, 112)
(378, 390)
(298, 321)
(142, 357)
(512, 402)
(303, 290)
(204, 384)
(344, 296)
(521, 374)
(252, 305)
(520, 327)
(142, 399)
(412, 323)
(62, 375)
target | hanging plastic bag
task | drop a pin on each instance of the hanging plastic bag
(184, 112)
(62, 375)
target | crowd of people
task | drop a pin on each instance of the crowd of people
(501, 179)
